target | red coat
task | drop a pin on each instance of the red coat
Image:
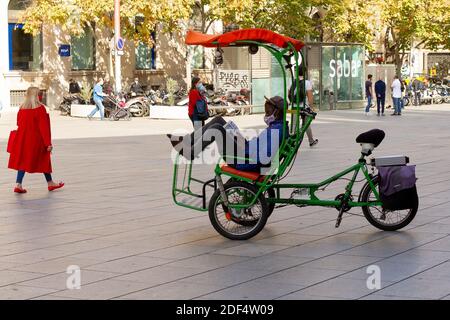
(194, 96)
(29, 152)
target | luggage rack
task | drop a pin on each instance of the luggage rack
(389, 161)
(182, 186)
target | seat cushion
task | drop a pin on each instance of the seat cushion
(251, 175)
(374, 136)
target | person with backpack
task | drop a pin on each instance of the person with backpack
(303, 85)
(198, 106)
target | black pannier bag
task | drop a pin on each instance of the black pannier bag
(398, 187)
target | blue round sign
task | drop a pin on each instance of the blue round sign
(120, 44)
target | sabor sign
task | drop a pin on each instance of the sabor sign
(234, 80)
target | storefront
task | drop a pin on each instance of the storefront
(50, 58)
(337, 74)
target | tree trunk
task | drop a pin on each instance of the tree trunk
(397, 60)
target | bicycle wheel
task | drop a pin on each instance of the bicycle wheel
(138, 110)
(238, 224)
(270, 193)
(387, 220)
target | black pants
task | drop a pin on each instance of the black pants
(214, 131)
(380, 101)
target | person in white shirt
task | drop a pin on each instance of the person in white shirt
(396, 96)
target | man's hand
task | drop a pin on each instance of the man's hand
(50, 148)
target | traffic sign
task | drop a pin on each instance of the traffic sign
(120, 44)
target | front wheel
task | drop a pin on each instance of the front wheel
(137, 109)
(241, 223)
(387, 220)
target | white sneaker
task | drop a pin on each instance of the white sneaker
(367, 114)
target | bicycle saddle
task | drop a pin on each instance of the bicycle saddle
(374, 136)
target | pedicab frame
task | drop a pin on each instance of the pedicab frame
(268, 185)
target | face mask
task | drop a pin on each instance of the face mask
(201, 87)
(269, 119)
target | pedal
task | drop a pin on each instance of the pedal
(339, 218)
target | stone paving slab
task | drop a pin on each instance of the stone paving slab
(115, 220)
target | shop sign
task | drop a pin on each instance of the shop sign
(344, 67)
(64, 50)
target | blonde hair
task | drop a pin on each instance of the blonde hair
(31, 99)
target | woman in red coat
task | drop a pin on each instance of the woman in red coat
(195, 94)
(32, 145)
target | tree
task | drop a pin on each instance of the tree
(426, 22)
(74, 15)
(350, 21)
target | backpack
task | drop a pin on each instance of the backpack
(398, 187)
(201, 110)
(293, 91)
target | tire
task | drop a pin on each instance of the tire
(270, 193)
(366, 192)
(406, 101)
(146, 111)
(141, 109)
(240, 228)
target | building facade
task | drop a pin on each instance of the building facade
(50, 59)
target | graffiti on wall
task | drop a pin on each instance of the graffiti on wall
(234, 80)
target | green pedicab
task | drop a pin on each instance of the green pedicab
(239, 208)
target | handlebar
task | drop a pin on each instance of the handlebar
(308, 112)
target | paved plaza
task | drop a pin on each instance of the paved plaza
(115, 219)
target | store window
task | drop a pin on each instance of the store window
(357, 73)
(83, 50)
(342, 74)
(145, 56)
(25, 50)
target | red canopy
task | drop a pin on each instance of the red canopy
(229, 38)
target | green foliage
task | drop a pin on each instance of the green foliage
(86, 92)
(171, 86)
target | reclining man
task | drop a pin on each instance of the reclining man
(232, 147)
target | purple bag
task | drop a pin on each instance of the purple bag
(396, 178)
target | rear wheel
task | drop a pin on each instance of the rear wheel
(270, 193)
(238, 224)
(387, 220)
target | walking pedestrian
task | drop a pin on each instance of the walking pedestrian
(380, 92)
(369, 94)
(396, 96)
(98, 99)
(301, 84)
(30, 145)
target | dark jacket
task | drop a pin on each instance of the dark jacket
(136, 88)
(380, 89)
(264, 145)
